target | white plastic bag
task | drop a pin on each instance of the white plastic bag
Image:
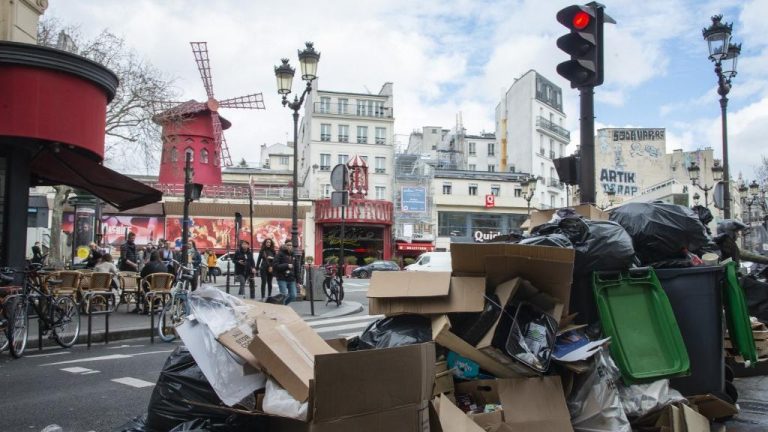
(277, 401)
(594, 404)
(640, 399)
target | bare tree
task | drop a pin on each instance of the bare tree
(132, 140)
(762, 171)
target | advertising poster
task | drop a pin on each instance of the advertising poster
(213, 233)
(147, 228)
(414, 199)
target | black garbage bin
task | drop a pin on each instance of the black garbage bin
(696, 297)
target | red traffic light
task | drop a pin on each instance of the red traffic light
(581, 20)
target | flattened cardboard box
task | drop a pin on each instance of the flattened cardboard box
(549, 269)
(539, 217)
(424, 293)
(378, 390)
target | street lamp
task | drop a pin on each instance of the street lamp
(724, 54)
(694, 172)
(308, 59)
(751, 196)
(529, 188)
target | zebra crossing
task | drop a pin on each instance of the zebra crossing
(347, 326)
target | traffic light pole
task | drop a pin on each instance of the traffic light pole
(587, 149)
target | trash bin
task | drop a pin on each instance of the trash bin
(696, 297)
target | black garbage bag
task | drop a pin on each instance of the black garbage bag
(756, 293)
(660, 231)
(472, 326)
(573, 227)
(554, 240)
(608, 246)
(136, 424)
(705, 216)
(181, 379)
(276, 299)
(396, 331)
(197, 425)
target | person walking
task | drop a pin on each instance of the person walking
(37, 253)
(245, 268)
(129, 258)
(264, 263)
(195, 260)
(211, 260)
(285, 273)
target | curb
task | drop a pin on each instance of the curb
(354, 308)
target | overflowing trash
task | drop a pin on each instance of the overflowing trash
(500, 343)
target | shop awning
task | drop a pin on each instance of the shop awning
(68, 167)
(416, 247)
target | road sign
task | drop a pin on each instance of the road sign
(340, 199)
(340, 177)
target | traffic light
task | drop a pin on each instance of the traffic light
(584, 44)
(192, 191)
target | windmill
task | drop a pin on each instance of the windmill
(193, 126)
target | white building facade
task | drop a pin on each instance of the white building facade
(530, 130)
(277, 157)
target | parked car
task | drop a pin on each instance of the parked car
(432, 261)
(221, 264)
(364, 272)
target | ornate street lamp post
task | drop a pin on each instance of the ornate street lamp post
(694, 171)
(529, 188)
(724, 55)
(308, 59)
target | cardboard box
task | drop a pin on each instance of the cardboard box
(528, 404)
(443, 379)
(373, 390)
(285, 347)
(549, 269)
(673, 418)
(539, 217)
(712, 407)
(393, 293)
(452, 419)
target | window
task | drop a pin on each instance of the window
(364, 158)
(325, 162)
(552, 201)
(343, 133)
(491, 168)
(378, 107)
(472, 148)
(325, 104)
(283, 160)
(551, 118)
(191, 154)
(495, 190)
(326, 190)
(434, 131)
(518, 193)
(325, 132)
(381, 165)
(541, 144)
(380, 191)
(174, 155)
(216, 159)
(343, 105)
(362, 134)
(343, 158)
(472, 167)
(491, 149)
(381, 135)
(473, 189)
(446, 188)
(204, 156)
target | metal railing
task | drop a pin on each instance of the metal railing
(553, 182)
(550, 126)
(352, 110)
(228, 191)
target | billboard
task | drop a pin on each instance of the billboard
(413, 199)
(147, 228)
(214, 233)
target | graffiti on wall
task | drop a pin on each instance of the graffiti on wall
(629, 160)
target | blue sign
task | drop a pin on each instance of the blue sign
(414, 199)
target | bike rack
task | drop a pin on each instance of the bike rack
(87, 302)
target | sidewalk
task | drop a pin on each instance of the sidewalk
(124, 325)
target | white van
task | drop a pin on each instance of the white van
(432, 261)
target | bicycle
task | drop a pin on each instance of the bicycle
(58, 315)
(176, 311)
(333, 285)
(6, 293)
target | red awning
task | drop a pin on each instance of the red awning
(69, 167)
(418, 247)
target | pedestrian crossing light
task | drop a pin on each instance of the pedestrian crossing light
(584, 44)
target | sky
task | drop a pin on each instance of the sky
(451, 56)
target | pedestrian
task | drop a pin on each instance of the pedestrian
(195, 260)
(94, 255)
(211, 260)
(129, 259)
(285, 273)
(155, 265)
(264, 264)
(37, 253)
(245, 268)
(166, 254)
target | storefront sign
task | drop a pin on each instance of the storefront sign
(481, 236)
(414, 199)
(416, 247)
(490, 201)
(359, 211)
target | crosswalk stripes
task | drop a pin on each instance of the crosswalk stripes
(347, 324)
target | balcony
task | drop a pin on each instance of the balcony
(348, 110)
(325, 167)
(547, 125)
(555, 183)
(380, 171)
(343, 138)
(325, 137)
(551, 154)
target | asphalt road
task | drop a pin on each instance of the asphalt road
(101, 388)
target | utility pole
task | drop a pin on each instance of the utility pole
(187, 201)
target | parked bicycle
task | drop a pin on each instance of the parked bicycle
(333, 285)
(58, 317)
(175, 311)
(6, 292)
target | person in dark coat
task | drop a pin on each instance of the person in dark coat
(37, 253)
(129, 256)
(285, 273)
(264, 263)
(155, 265)
(94, 255)
(245, 268)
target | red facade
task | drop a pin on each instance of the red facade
(194, 134)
